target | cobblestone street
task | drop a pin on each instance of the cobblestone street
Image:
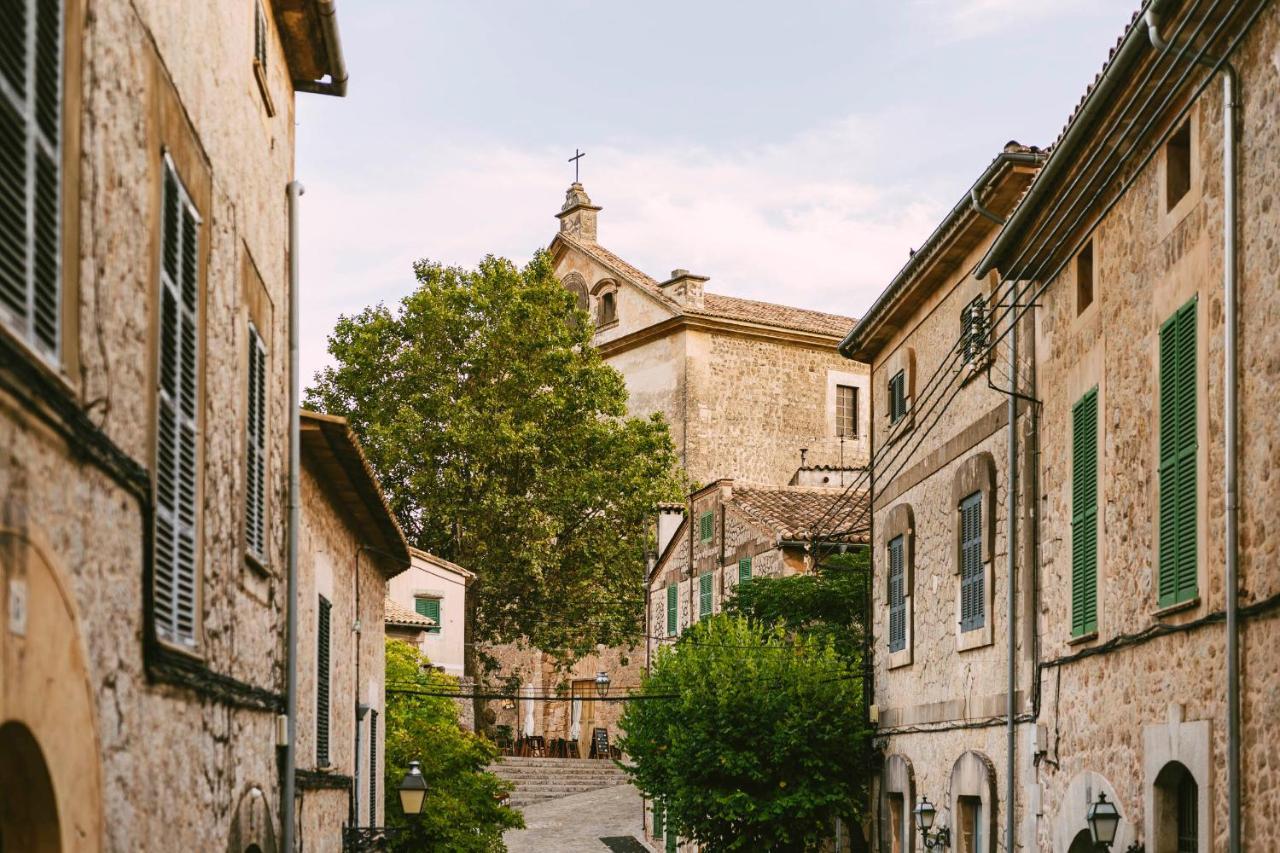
(607, 819)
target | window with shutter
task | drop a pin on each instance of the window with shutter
(897, 396)
(322, 685)
(31, 33)
(1178, 447)
(373, 767)
(1084, 515)
(255, 515)
(973, 609)
(897, 596)
(659, 820)
(704, 596)
(744, 570)
(673, 600)
(174, 596)
(973, 330)
(429, 607)
(707, 526)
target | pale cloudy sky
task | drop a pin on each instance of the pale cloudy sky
(792, 151)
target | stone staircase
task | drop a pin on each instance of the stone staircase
(538, 779)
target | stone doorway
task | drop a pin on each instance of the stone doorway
(28, 808)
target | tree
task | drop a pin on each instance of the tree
(501, 440)
(763, 743)
(463, 810)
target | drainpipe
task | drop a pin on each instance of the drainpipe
(337, 83)
(1230, 104)
(294, 190)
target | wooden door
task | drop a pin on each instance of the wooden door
(583, 690)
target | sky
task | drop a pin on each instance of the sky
(794, 152)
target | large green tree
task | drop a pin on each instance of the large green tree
(751, 739)
(501, 439)
(463, 810)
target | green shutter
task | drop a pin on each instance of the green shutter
(973, 599)
(1178, 446)
(704, 596)
(429, 607)
(707, 526)
(744, 569)
(673, 599)
(659, 819)
(1084, 515)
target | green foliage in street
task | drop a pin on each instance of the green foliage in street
(764, 743)
(501, 440)
(463, 812)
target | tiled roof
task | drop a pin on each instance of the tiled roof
(794, 512)
(395, 614)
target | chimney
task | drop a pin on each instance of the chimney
(669, 518)
(685, 288)
(578, 215)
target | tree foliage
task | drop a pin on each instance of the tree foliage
(500, 438)
(462, 811)
(765, 743)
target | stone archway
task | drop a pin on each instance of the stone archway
(48, 725)
(1070, 817)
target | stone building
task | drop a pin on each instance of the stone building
(144, 417)
(350, 546)
(940, 482)
(436, 589)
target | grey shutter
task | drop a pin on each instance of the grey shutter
(673, 597)
(30, 170)
(373, 767)
(255, 474)
(897, 600)
(704, 595)
(174, 594)
(972, 581)
(322, 685)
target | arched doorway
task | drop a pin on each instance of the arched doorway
(1177, 810)
(28, 808)
(1082, 843)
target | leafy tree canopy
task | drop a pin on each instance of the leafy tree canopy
(463, 810)
(501, 440)
(764, 744)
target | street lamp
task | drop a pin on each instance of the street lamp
(413, 790)
(925, 813)
(1103, 819)
(602, 684)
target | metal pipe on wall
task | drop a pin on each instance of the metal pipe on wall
(295, 191)
(1011, 586)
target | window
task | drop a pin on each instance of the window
(1178, 444)
(707, 526)
(1188, 822)
(31, 172)
(704, 595)
(673, 599)
(322, 685)
(897, 596)
(846, 411)
(430, 608)
(973, 331)
(744, 570)
(373, 767)
(1084, 515)
(972, 580)
(608, 308)
(970, 828)
(255, 511)
(259, 35)
(1177, 172)
(897, 396)
(174, 598)
(1084, 278)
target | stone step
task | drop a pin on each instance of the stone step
(538, 779)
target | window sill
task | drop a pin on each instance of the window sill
(262, 569)
(1083, 638)
(49, 367)
(260, 75)
(975, 639)
(604, 327)
(1189, 604)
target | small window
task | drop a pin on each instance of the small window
(846, 411)
(897, 597)
(255, 515)
(673, 599)
(707, 526)
(973, 607)
(1177, 153)
(897, 396)
(744, 570)
(704, 595)
(322, 684)
(974, 331)
(430, 608)
(608, 308)
(1084, 278)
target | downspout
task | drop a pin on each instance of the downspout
(337, 83)
(295, 191)
(1230, 104)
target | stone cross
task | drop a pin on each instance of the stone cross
(577, 155)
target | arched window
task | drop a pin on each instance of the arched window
(575, 285)
(608, 308)
(1177, 810)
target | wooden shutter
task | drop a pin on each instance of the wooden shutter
(659, 820)
(1084, 514)
(673, 600)
(972, 581)
(429, 607)
(31, 171)
(704, 595)
(897, 597)
(373, 768)
(1178, 448)
(744, 570)
(897, 396)
(707, 526)
(322, 685)
(174, 595)
(255, 521)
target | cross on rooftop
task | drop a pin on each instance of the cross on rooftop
(577, 155)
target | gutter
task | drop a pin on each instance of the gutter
(337, 83)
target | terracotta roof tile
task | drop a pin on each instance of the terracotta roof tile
(395, 614)
(794, 512)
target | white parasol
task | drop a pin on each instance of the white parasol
(528, 709)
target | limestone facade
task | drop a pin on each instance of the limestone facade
(138, 743)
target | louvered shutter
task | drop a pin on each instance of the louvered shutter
(256, 444)
(322, 685)
(373, 768)
(31, 171)
(1178, 447)
(897, 597)
(704, 595)
(707, 524)
(673, 599)
(1084, 514)
(972, 581)
(429, 607)
(659, 820)
(174, 594)
(897, 396)
(744, 569)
